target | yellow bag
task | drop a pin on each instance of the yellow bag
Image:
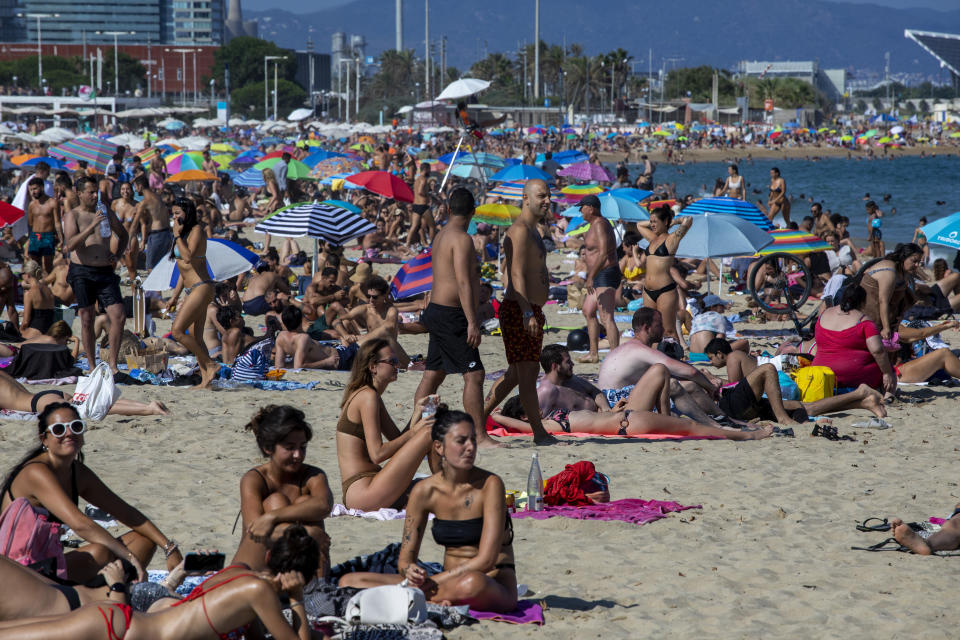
(815, 383)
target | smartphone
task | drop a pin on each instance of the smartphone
(203, 562)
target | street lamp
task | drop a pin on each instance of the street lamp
(116, 61)
(39, 40)
(183, 71)
(266, 86)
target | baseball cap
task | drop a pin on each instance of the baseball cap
(590, 201)
(711, 300)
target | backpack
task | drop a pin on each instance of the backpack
(815, 383)
(29, 537)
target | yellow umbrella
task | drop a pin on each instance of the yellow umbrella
(223, 160)
(501, 215)
(223, 146)
(661, 132)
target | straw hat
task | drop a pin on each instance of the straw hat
(363, 272)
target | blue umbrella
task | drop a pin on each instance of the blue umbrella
(613, 208)
(629, 193)
(520, 172)
(945, 231)
(570, 156)
(352, 208)
(250, 178)
(732, 206)
(55, 163)
(247, 157)
(319, 156)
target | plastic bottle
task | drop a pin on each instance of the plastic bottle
(535, 485)
(429, 407)
(105, 223)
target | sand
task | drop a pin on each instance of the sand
(767, 555)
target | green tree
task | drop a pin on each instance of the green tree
(132, 74)
(245, 56)
(59, 72)
(697, 84)
(248, 100)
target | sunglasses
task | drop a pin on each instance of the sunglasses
(374, 296)
(59, 429)
(393, 361)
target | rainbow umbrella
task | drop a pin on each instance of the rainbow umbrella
(148, 154)
(95, 151)
(790, 241)
(573, 193)
(333, 166)
(415, 276)
(501, 215)
(178, 162)
(514, 191)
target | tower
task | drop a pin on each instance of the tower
(234, 23)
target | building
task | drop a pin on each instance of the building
(945, 47)
(345, 48)
(832, 82)
(193, 22)
(315, 64)
(235, 26)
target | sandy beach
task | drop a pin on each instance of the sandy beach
(767, 555)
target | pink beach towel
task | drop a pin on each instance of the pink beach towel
(527, 612)
(632, 510)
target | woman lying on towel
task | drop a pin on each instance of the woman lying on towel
(15, 397)
(633, 416)
(228, 602)
(283, 491)
(363, 426)
(471, 523)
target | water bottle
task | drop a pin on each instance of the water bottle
(535, 485)
(429, 407)
(105, 223)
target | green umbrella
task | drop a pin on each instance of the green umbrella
(296, 170)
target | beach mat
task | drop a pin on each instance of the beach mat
(632, 510)
(527, 612)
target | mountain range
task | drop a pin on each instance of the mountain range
(837, 34)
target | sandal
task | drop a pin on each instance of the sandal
(890, 544)
(884, 525)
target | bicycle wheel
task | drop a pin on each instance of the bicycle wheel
(778, 294)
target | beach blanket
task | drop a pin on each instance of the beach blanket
(10, 414)
(51, 381)
(633, 510)
(495, 429)
(380, 514)
(383, 561)
(527, 612)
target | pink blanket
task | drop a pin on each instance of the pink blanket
(632, 510)
(527, 612)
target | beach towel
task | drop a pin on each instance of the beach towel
(495, 429)
(527, 612)
(383, 561)
(56, 382)
(380, 514)
(633, 510)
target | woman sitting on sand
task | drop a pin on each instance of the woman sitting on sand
(471, 523)
(228, 602)
(52, 477)
(364, 424)
(633, 416)
(946, 290)
(284, 490)
(659, 286)
(889, 285)
(37, 302)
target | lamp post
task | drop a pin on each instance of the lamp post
(38, 16)
(116, 60)
(183, 72)
(266, 83)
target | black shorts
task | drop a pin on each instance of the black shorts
(420, 209)
(609, 277)
(91, 284)
(876, 233)
(448, 350)
(740, 402)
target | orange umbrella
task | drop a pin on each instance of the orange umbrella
(23, 157)
(366, 140)
(191, 175)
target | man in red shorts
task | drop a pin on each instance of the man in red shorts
(521, 315)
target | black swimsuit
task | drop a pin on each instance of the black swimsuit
(466, 533)
(660, 252)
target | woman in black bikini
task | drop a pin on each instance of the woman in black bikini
(284, 490)
(38, 313)
(51, 479)
(190, 251)
(229, 601)
(659, 287)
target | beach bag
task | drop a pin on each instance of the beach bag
(815, 383)
(96, 393)
(788, 388)
(29, 537)
(391, 604)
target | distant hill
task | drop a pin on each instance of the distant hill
(700, 31)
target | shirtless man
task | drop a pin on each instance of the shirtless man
(153, 215)
(451, 316)
(603, 278)
(378, 315)
(209, 164)
(236, 336)
(57, 281)
(778, 202)
(263, 291)
(821, 222)
(8, 294)
(625, 365)
(560, 389)
(92, 273)
(63, 189)
(421, 205)
(326, 295)
(521, 314)
(306, 353)
(43, 218)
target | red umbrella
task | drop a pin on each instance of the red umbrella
(384, 184)
(9, 214)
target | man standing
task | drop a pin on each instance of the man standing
(550, 165)
(421, 205)
(280, 173)
(43, 216)
(22, 199)
(521, 317)
(92, 274)
(603, 278)
(154, 219)
(451, 316)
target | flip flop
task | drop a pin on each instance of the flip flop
(883, 525)
(890, 544)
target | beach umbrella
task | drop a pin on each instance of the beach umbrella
(251, 178)
(520, 172)
(613, 208)
(955, 134)
(414, 277)
(472, 171)
(170, 124)
(945, 231)
(570, 156)
(247, 157)
(462, 88)
(344, 204)
(296, 170)
(225, 260)
(661, 132)
(790, 241)
(631, 194)
(319, 156)
(181, 162)
(334, 166)
(714, 235)
(95, 151)
(514, 191)
(501, 215)
(362, 146)
(573, 193)
(384, 184)
(23, 157)
(339, 182)
(330, 222)
(9, 214)
(191, 175)
(586, 171)
(731, 206)
(223, 147)
(54, 163)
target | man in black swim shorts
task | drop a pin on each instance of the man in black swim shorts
(603, 277)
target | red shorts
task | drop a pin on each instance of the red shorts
(520, 345)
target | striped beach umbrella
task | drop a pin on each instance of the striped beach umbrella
(334, 224)
(501, 215)
(95, 151)
(251, 178)
(732, 206)
(415, 276)
(573, 193)
(514, 191)
(181, 161)
(334, 166)
(790, 241)
(586, 171)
